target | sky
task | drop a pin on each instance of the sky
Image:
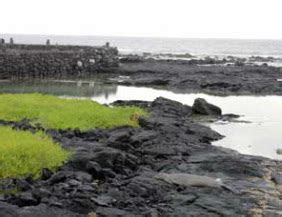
(250, 19)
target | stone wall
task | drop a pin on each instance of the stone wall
(39, 61)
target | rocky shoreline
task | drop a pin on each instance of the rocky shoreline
(212, 76)
(143, 171)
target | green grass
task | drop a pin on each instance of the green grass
(58, 113)
(24, 153)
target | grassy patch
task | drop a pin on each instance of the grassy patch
(24, 153)
(54, 112)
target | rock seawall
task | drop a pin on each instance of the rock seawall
(37, 61)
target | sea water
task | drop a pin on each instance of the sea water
(257, 132)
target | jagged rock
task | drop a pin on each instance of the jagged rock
(58, 177)
(121, 180)
(25, 199)
(112, 158)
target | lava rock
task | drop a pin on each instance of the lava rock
(202, 107)
(46, 174)
(8, 210)
(107, 179)
(25, 199)
(23, 185)
(45, 211)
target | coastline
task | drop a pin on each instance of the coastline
(113, 172)
(183, 76)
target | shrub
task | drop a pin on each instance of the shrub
(24, 153)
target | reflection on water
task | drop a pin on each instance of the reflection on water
(260, 137)
(60, 88)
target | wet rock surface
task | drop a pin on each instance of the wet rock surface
(113, 173)
(183, 76)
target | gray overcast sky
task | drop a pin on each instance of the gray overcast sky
(161, 18)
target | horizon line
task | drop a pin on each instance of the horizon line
(156, 37)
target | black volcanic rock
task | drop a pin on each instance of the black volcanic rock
(202, 107)
(113, 173)
(224, 77)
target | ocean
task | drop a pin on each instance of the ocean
(138, 45)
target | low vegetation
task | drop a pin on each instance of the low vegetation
(24, 153)
(58, 113)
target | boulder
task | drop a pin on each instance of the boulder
(171, 107)
(202, 107)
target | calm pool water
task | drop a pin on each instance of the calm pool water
(260, 137)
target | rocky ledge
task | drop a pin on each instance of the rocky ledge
(167, 167)
(181, 76)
